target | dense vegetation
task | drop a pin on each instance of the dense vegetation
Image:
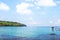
(8, 23)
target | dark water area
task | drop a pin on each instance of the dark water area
(29, 33)
(40, 37)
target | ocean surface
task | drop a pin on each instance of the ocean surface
(29, 31)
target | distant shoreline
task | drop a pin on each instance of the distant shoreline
(9, 23)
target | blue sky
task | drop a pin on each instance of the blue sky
(31, 12)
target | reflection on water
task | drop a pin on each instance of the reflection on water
(29, 32)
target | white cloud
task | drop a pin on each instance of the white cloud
(23, 8)
(43, 13)
(38, 7)
(4, 6)
(29, 0)
(32, 23)
(50, 22)
(58, 21)
(30, 18)
(45, 3)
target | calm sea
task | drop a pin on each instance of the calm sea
(29, 31)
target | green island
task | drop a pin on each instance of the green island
(9, 23)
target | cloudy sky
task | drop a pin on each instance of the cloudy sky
(31, 12)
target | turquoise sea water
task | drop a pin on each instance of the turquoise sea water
(29, 31)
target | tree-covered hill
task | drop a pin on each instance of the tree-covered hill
(9, 23)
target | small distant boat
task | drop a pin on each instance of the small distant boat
(52, 28)
(59, 29)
